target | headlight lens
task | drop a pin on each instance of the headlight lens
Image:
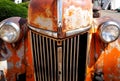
(109, 31)
(9, 32)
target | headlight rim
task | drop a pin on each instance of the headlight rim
(15, 26)
(104, 25)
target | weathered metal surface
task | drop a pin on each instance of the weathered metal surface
(43, 14)
(16, 58)
(76, 14)
(13, 55)
(104, 59)
(50, 14)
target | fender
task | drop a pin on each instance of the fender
(17, 60)
(104, 58)
(13, 55)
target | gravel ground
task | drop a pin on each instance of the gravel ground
(113, 14)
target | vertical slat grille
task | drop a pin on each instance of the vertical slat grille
(44, 55)
(74, 58)
(46, 58)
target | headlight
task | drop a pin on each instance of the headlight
(109, 31)
(9, 32)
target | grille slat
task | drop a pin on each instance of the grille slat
(48, 65)
(67, 62)
(41, 59)
(44, 59)
(74, 63)
(71, 60)
(63, 61)
(37, 54)
(55, 62)
(51, 61)
(66, 65)
(77, 56)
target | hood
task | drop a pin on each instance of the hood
(65, 14)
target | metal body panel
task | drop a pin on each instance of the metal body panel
(104, 58)
(17, 58)
(54, 14)
(76, 14)
(43, 14)
(12, 55)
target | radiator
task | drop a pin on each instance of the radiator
(59, 59)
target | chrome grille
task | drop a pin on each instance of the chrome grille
(59, 60)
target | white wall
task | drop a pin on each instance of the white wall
(115, 4)
(18, 1)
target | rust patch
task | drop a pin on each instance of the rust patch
(14, 54)
(76, 14)
(75, 17)
(43, 14)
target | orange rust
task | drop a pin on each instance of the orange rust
(84, 4)
(108, 62)
(89, 73)
(104, 58)
(29, 60)
(13, 61)
(42, 12)
(14, 54)
(76, 14)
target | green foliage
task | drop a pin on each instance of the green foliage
(10, 9)
(25, 4)
(11, 0)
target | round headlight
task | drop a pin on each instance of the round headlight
(109, 31)
(9, 32)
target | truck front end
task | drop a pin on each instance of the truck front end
(59, 41)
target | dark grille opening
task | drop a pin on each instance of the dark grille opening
(82, 57)
(46, 58)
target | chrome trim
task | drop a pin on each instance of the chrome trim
(78, 42)
(48, 58)
(51, 61)
(59, 57)
(58, 60)
(55, 34)
(77, 31)
(44, 57)
(46, 32)
(55, 60)
(74, 59)
(105, 24)
(63, 73)
(71, 60)
(59, 14)
(15, 26)
(41, 59)
(67, 60)
(1, 24)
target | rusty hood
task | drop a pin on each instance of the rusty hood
(67, 14)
